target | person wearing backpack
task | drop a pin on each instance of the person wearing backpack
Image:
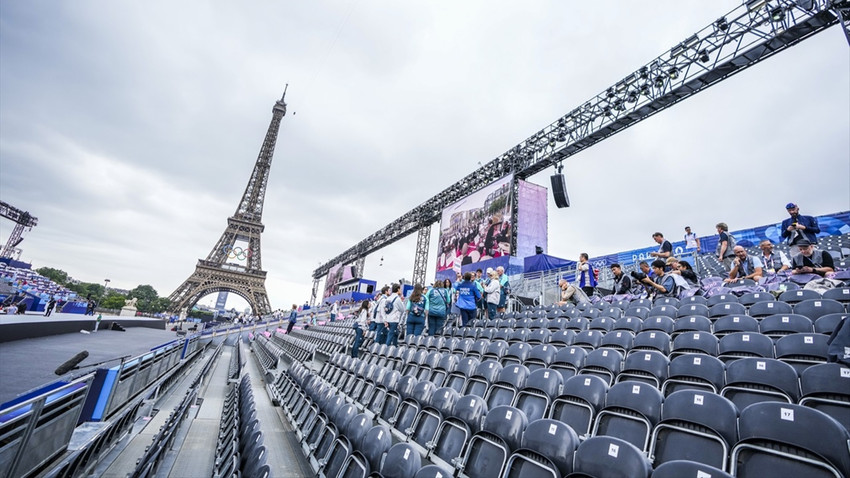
(504, 290)
(415, 312)
(725, 246)
(467, 296)
(437, 303)
(393, 310)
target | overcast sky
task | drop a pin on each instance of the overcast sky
(130, 129)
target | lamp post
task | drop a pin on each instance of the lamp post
(105, 286)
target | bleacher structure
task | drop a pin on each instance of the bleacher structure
(736, 384)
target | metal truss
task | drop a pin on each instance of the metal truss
(753, 32)
(215, 273)
(420, 261)
(315, 292)
(23, 221)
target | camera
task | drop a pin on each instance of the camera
(637, 275)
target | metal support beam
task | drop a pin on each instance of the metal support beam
(743, 37)
(420, 261)
(315, 292)
(359, 265)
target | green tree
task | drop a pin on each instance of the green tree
(147, 296)
(199, 314)
(85, 289)
(113, 301)
(56, 275)
(161, 304)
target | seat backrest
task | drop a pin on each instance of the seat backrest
(374, 444)
(620, 339)
(783, 324)
(663, 323)
(402, 461)
(635, 324)
(826, 324)
(758, 373)
(448, 363)
(652, 339)
(545, 380)
(826, 379)
(693, 309)
(727, 308)
(735, 323)
(565, 337)
(746, 343)
(607, 359)
(507, 423)
(470, 409)
(405, 385)
(652, 362)
(444, 399)
(488, 369)
(751, 298)
(705, 367)
(610, 457)
(638, 397)
(690, 342)
(544, 353)
(518, 350)
(721, 299)
(764, 309)
(692, 322)
(841, 294)
(554, 441)
(572, 355)
(816, 308)
(799, 295)
(589, 337)
(514, 375)
(798, 426)
(706, 409)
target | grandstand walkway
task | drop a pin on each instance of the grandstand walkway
(284, 458)
(196, 457)
(122, 461)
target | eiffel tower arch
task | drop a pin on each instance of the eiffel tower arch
(216, 273)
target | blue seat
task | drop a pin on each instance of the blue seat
(727, 308)
(604, 363)
(602, 323)
(744, 344)
(542, 386)
(569, 360)
(495, 351)
(632, 409)
(612, 311)
(824, 387)
(541, 356)
(402, 461)
(755, 297)
(429, 418)
(695, 372)
(652, 340)
(477, 348)
(691, 323)
(504, 389)
(637, 311)
(694, 299)
(666, 301)
(663, 311)
(826, 324)
(780, 439)
(447, 364)
(752, 380)
(680, 468)
(610, 457)
(394, 398)
(408, 410)
(697, 426)
(562, 337)
(516, 353)
(588, 339)
(764, 309)
(489, 449)
(817, 308)
(547, 450)
(581, 399)
(458, 377)
(802, 350)
(841, 294)
(721, 299)
(620, 340)
(538, 335)
(454, 432)
(663, 323)
(794, 296)
(481, 379)
(730, 324)
(696, 342)
(776, 326)
(578, 324)
(633, 324)
(647, 366)
(693, 309)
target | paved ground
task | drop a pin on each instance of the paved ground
(28, 364)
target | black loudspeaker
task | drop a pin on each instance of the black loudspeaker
(559, 191)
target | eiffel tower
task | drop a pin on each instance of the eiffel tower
(215, 273)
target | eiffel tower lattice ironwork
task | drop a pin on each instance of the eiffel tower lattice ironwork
(245, 278)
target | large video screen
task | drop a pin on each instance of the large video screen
(477, 228)
(337, 274)
(532, 219)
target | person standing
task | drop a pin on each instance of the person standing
(665, 249)
(361, 322)
(293, 317)
(467, 295)
(493, 289)
(49, 308)
(691, 241)
(585, 278)
(415, 312)
(334, 310)
(725, 246)
(97, 321)
(437, 305)
(394, 308)
(380, 316)
(797, 226)
(505, 289)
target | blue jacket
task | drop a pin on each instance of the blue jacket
(467, 295)
(809, 233)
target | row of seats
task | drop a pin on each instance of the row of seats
(498, 384)
(523, 433)
(296, 348)
(149, 462)
(266, 352)
(240, 450)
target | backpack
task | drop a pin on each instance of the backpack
(438, 307)
(388, 306)
(417, 308)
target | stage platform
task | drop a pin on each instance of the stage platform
(26, 364)
(32, 325)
